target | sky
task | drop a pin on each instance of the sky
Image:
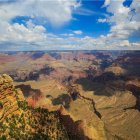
(69, 25)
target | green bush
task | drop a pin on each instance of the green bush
(23, 105)
(3, 138)
(1, 104)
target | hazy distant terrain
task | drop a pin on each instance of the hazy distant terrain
(101, 89)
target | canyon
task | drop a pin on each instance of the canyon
(93, 95)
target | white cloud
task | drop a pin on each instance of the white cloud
(50, 10)
(102, 20)
(57, 12)
(17, 32)
(78, 32)
(35, 37)
(125, 43)
(125, 21)
(106, 3)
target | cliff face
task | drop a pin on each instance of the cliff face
(19, 121)
(7, 97)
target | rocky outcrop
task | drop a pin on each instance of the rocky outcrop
(117, 70)
(19, 121)
(8, 97)
(134, 87)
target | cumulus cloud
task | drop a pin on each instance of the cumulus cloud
(124, 21)
(50, 10)
(20, 34)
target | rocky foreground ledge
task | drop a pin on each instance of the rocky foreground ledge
(18, 121)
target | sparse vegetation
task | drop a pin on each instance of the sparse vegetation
(30, 123)
(1, 105)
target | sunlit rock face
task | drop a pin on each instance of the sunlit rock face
(19, 121)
